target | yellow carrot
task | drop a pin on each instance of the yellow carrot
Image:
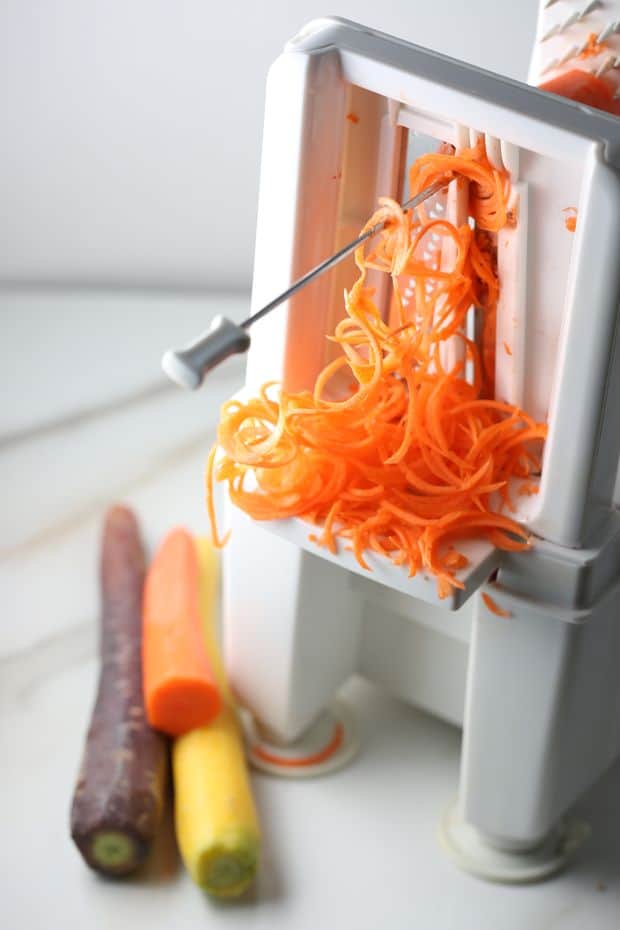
(215, 817)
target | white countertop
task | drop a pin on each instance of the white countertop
(83, 424)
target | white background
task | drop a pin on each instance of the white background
(130, 129)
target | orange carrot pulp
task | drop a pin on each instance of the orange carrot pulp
(570, 220)
(593, 47)
(180, 690)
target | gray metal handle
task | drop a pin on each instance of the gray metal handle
(187, 367)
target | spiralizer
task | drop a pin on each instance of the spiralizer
(538, 693)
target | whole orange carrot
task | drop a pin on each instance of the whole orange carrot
(180, 690)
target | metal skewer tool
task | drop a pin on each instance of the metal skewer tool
(188, 366)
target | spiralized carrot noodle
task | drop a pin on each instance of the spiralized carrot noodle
(416, 458)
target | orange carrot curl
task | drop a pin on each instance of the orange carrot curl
(494, 607)
(413, 458)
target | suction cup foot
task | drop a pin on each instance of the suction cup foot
(473, 853)
(329, 744)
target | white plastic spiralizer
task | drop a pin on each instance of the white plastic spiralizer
(537, 694)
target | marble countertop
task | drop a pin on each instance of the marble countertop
(86, 421)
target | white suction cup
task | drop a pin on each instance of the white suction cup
(468, 848)
(329, 744)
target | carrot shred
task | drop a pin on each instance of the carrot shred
(491, 605)
(592, 47)
(353, 117)
(507, 348)
(414, 457)
(218, 542)
(570, 221)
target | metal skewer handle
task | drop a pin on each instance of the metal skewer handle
(187, 367)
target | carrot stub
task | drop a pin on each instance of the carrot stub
(583, 87)
(180, 690)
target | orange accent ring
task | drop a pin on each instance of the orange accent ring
(318, 757)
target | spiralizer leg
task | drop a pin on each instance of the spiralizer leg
(520, 771)
(291, 628)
